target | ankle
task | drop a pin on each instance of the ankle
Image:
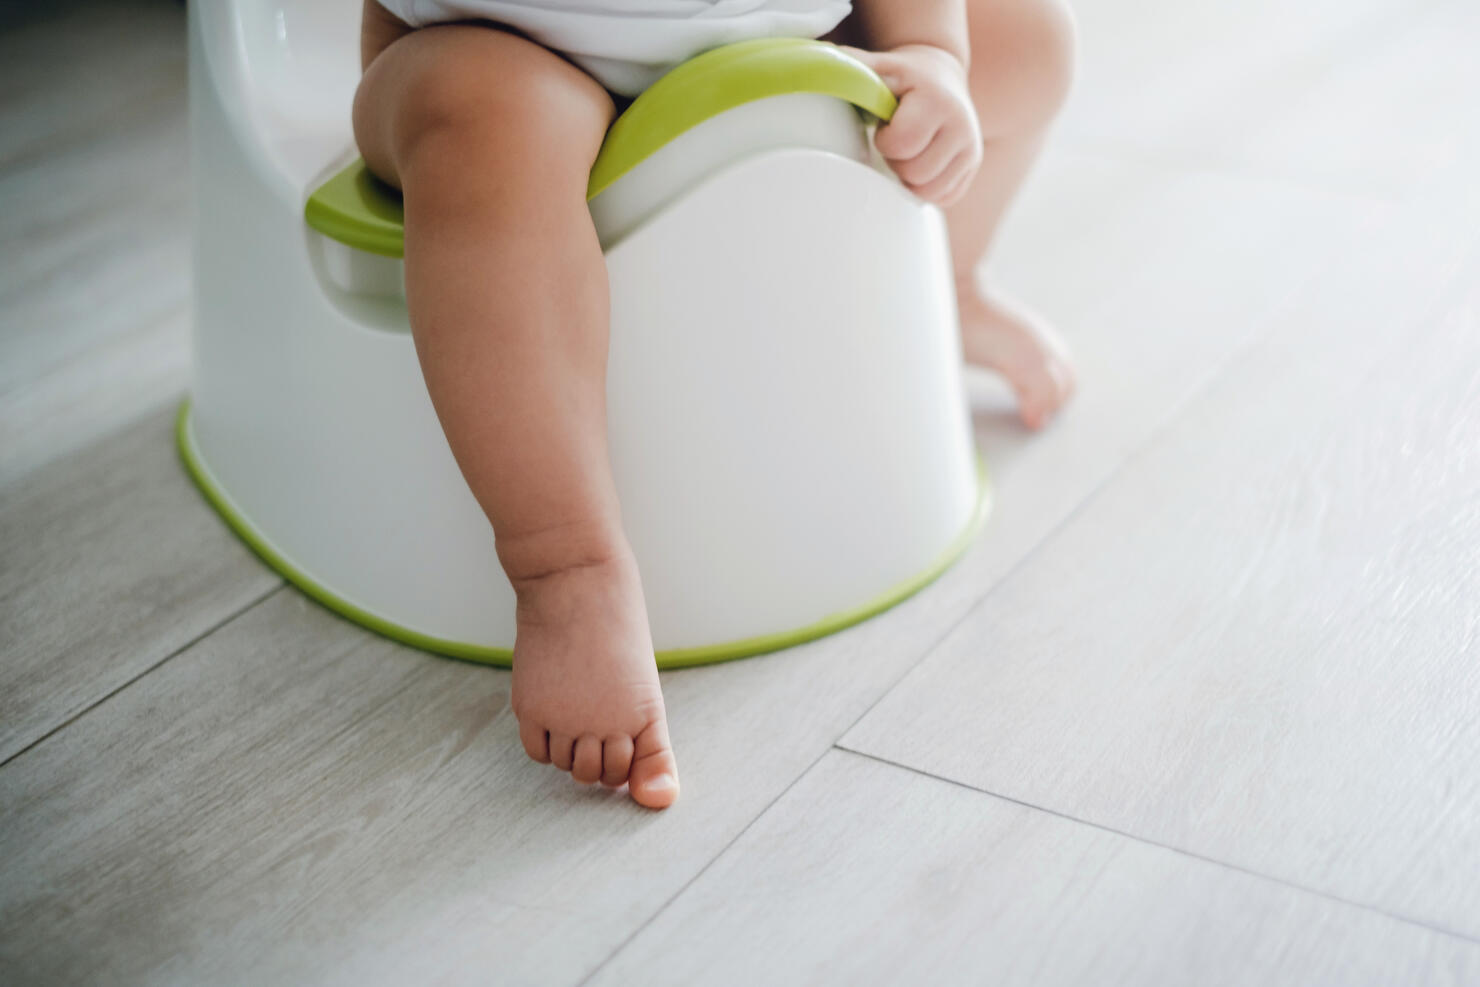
(533, 558)
(969, 282)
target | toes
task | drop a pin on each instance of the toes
(616, 760)
(1001, 334)
(1040, 398)
(586, 764)
(1064, 380)
(562, 750)
(653, 780)
(536, 741)
(1035, 401)
(1036, 406)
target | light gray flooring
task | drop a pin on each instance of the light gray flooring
(1201, 705)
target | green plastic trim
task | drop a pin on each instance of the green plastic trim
(356, 208)
(724, 78)
(484, 654)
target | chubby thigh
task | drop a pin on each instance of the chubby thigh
(628, 44)
(486, 97)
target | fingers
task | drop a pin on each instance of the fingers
(933, 141)
(881, 63)
(933, 146)
(951, 184)
(908, 135)
(900, 72)
(943, 170)
(930, 164)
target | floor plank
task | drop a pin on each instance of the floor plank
(1137, 284)
(82, 268)
(1359, 96)
(73, 72)
(295, 800)
(1161, 277)
(112, 561)
(291, 799)
(94, 178)
(1259, 644)
(1158, 277)
(1387, 122)
(119, 381)
(864, 873)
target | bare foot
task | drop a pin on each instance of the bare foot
(1001, 334)
(585, 684)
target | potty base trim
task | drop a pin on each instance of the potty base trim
(488, 655)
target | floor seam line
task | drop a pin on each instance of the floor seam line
(186, 646)
(1146, 841)
(1260, 332)
(832, 745)
(667, 902)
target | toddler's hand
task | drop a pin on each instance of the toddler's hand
(934, 141)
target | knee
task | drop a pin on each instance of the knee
(484, 99)
(1023, 55)
(1057, 38)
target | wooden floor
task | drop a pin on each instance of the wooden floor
(1202, 704)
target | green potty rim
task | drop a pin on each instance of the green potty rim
(708, 654)
(357, 209)
(721, 79)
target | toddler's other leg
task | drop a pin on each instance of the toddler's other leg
(1022, 62)
(491, 139)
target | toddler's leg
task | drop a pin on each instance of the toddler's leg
(1022, 61)
(491, 139)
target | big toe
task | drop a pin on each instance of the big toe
(1043, 391)
(653, 781)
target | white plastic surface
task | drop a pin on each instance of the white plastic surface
(788, 431)
(794, 120)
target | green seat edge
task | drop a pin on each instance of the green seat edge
(358, 209)
(724, 78)
(255, 540)
(355, 208)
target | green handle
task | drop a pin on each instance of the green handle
(724, 78)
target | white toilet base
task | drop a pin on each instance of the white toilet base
(788, 431)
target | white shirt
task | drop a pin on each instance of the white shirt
(628, 44)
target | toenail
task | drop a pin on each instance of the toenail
(662, 783)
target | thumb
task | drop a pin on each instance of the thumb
(882, 65)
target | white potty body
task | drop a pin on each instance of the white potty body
(789, 436)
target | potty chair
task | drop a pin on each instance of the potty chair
(788, 430)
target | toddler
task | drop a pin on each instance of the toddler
(488, 114)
